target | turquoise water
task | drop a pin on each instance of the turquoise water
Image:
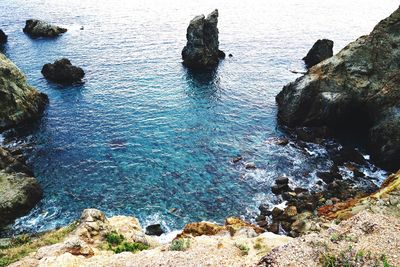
(145, 137)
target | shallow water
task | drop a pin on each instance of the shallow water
(145, 137)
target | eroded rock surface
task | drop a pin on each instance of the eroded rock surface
(202, 47)
(355, 90)
(19, 101)
(38, 28)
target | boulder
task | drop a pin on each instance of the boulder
(3, 37)
(355, 91)
(62, 71)
(38, 28)
(321, 50)
(18, 194)
(154, 229)
(19, 101)
(202, 47)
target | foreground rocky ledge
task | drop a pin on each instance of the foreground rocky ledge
(369, 235)
(355, 90)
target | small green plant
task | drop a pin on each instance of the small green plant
(384, 261)
(328, 260)
(117, 243)
(335, 237)
(243, 248)
(180, 244)
(113, 238)
(130, 246)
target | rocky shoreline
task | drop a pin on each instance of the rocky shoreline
(353, 90)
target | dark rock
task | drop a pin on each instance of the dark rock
(346, 154)
(221, 54)
(355, 92)
(62, 71)
(264, 209)
(320, 51)
(329, 177)
(250, 165)
(276, 213)
(274, 228)
(230, 55)
(3, 37)
(237, 159)
(260, 218)
(37, 28)
(202, 47)
(154, 229)
(263, 224)
(279, 189)
(282, 180)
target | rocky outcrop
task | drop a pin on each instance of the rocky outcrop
(19, 192)
(62, 71)
(19, 101)
(202, 47)
(3, 37)
(321, 50)
(38, 28)
(355, 90)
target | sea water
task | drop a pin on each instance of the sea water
(143, 136)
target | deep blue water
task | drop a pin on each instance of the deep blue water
(143, 135)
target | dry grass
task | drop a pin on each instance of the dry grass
(21, 248)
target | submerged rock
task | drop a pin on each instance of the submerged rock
(62, 71)
(19, 101)
(321, 50)
(18, 194)
(38, 28)
(202, 47)
(3, 37)
(356, 90)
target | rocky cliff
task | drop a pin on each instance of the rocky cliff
(202, 47)
(19, 101)
(355, 90)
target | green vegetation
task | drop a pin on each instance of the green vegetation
(180, 244)
(243, 248)
(384, 261)
(117, 243)
(113, 238)
(22, 245)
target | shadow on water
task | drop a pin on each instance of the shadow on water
(203, 84)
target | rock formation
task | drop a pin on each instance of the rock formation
(321, 50)
(62, 71)
(357, 90)
(3, 37)
(38, 28)
(18, 191)
(202, 47)
(19, 102)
